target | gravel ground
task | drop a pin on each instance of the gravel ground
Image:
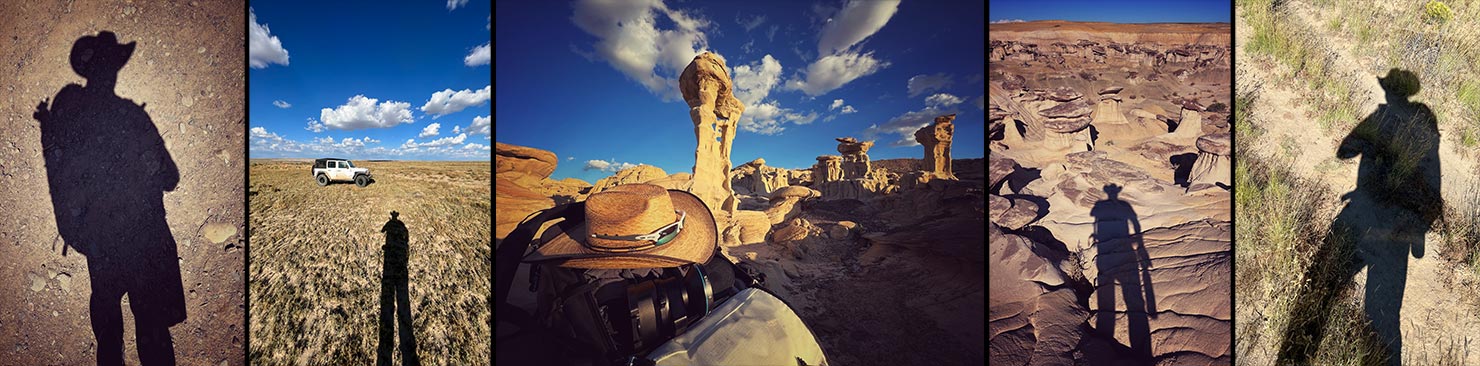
(187, 72)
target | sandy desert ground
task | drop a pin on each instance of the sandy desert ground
(316, 261)
(187, 71)
(1109, 193)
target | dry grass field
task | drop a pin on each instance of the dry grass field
(315, 261)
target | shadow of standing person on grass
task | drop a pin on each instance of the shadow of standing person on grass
(107, 169)
(1121, 258)
(395, 302)
(1384, 220)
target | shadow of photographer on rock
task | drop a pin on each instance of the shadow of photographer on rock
(1121, 258)
(1384, 220)
(395, 302)
(107, 170)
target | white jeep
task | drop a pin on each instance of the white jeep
(328, 170)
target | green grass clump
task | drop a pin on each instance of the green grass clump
(1284, 223)
(1243, 100)
(1469, 95)
(1436, 11)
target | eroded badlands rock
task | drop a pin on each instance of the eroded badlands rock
(715, 111)
(936, 139)
(1213, 165)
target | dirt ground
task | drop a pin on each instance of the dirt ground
(316, 261)
(187, 72)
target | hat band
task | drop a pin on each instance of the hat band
(662, 235)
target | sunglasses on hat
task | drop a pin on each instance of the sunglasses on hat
(661, 236)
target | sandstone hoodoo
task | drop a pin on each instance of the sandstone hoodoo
(936, 139)
(715, 111)
(1107, 111)
(1066, 125)
(1190, 127)
(1213, 166)
(829, 168)
(855, 156)
(757, 178)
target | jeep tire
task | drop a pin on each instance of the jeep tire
(362, 181)
(322, 179)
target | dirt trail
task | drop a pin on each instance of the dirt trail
(1433, 320)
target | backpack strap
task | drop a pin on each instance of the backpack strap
(512, 248)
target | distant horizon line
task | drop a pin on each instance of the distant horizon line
(353, 159)
(1011, 21)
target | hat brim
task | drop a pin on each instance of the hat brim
(694, 244)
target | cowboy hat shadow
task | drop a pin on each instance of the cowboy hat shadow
(107, 170)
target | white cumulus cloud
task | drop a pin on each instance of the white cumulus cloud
(315, 126)
(448, 101)
(848, 109)
(942, 100)
(629, 39)
(361, 112)
(754, 81)
(282, 104)
(839, 61)
(768, 118)
(478, 56)
(608, 166)
(429, 131)
(453, 4)
(481, 126)
(269, 144)
(856, 21)
(263, 48)
(832, 71)
(905, 125)
(411, 144)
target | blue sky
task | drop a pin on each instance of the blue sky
(1122, 11)
(596, 83)
(376, 80)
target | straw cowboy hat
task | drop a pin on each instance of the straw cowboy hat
(634, 226)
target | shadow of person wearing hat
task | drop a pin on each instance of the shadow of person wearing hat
(1383, 221)
(107, 170)
(395, 301)
(1122, 260)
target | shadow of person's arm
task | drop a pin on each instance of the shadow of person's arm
(1360, 138)
(169, 174)
(1144, 257)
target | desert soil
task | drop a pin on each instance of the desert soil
(317, 260)
(188, 71)
(1435, 317)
